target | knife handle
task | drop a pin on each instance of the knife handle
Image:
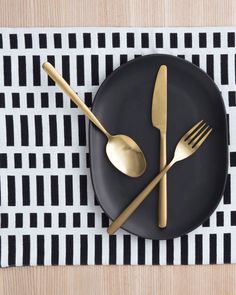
(162, 207)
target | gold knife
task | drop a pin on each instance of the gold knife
(159, 120)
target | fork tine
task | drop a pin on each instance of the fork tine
(200, 142)
(192, 136)
(187, 134)
(195, 139)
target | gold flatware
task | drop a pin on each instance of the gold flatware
(187, 146)
(159, 121)
(122, 151)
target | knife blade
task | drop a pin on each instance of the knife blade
(159, 121)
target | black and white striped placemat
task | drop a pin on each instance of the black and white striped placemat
(48, 211)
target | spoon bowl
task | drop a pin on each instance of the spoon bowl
(125, 155)
(122, 151)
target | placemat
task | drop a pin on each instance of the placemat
(49, 214)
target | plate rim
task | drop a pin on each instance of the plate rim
(191, 228)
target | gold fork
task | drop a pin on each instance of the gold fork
(187, 146)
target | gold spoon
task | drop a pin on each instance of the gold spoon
(122, 151)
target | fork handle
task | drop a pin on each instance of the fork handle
(121, 219)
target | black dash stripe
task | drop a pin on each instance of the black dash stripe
(94, 70)
(51, 59)
(54, 190)
(53, 130)
(69, 190)
(98, 249)
(216, 39)
(62, 220)
(220, 218)
(19, 220)
(22, 70)
(82, 130)
(173, 40)
(57, 40)
(32, 160)
(87, 40)
(195, 59)
(83, 190)
(105, 220)
(213, 251)
(26, 250)
(144, 40)
(13, 41)
(188, 40)
(36, 70)
(3, 160)
(18, 160)
(141, 250)
(7, 70)
(112, 249)
(67, 130)
(28, 40)
(9, 130)
(231, 39)
(169, 252)
(11, 187)
(24, 130)
(101, 40)
(127, 249)
(123, 59)
(11, 250)
(224, 69)
(130, 40)
(80, 70)
(47, 220)
(69, 250)
(66, 68)
(75, 160)
(227, 192)
(115, 40)
(55, 250)
(38, 130)
(40, 190)
(202, 40)
(155, 252)
(33, 220)
(40, 250)
(159, 40)
(227, 248)
(91, 219)
(210, 65)
(4, 220)
(76, 219)
(72, 40)
(26, 190)
(46, 160)
(109, 64)
(42, 41)
(184, 249)
(84, 249)
(198, 249)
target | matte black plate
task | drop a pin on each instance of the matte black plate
(195, 185)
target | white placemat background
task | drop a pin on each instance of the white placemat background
(48, 211)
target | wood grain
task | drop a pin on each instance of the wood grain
(117, 13)
(148, 280)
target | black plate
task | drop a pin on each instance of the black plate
(195, 185)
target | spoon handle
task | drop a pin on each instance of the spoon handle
(60, 81)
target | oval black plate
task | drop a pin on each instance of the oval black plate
(195, 185)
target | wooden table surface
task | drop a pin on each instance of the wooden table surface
(211, 279)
